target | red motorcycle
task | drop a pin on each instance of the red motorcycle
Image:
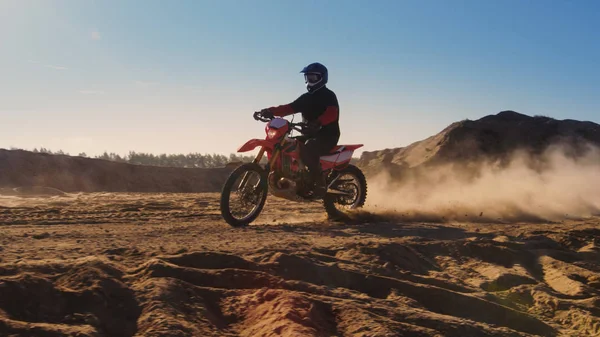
(285, 176)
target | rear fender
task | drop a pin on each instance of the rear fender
(337, 160)
(351, 147)
(340, 154)
(254, 143)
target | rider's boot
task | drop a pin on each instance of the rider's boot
(318, 185)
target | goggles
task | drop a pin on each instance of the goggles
(312, 78)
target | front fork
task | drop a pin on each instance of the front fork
(257, 160)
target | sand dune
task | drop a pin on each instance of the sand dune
(108, 264)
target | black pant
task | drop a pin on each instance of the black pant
(311, 150)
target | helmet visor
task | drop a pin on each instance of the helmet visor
(312, 78)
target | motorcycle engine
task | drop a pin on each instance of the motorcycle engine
(286, 166)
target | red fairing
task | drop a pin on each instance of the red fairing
(276, 129)
(254, 143)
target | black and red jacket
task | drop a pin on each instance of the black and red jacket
(321, 105)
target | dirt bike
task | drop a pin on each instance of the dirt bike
(285, 176)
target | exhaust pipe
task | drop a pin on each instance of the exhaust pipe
(286, 184)
(284, 188)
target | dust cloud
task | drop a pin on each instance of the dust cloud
(548, 187)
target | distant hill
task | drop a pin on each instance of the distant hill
(493, 137)
(20, 168)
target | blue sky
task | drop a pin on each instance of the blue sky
(185, 76)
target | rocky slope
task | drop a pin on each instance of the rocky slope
(493, 137)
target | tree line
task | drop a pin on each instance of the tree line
(190, 160)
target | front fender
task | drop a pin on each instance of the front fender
(254, 143)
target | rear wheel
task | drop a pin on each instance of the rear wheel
(352, 182)
(244, 194)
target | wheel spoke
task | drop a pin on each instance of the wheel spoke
(244, 194)
(350, 185)
(352, 191)
(247, 196)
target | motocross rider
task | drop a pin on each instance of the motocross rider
(320, 110)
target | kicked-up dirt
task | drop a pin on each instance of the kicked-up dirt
(122, 264)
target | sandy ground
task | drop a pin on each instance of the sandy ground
(110, 264)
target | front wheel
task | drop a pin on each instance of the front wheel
(352, 182)
(244, 194)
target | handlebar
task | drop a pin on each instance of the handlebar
(300, 127)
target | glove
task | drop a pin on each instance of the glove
(264, 113)
(267, 113)
(312, 127)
